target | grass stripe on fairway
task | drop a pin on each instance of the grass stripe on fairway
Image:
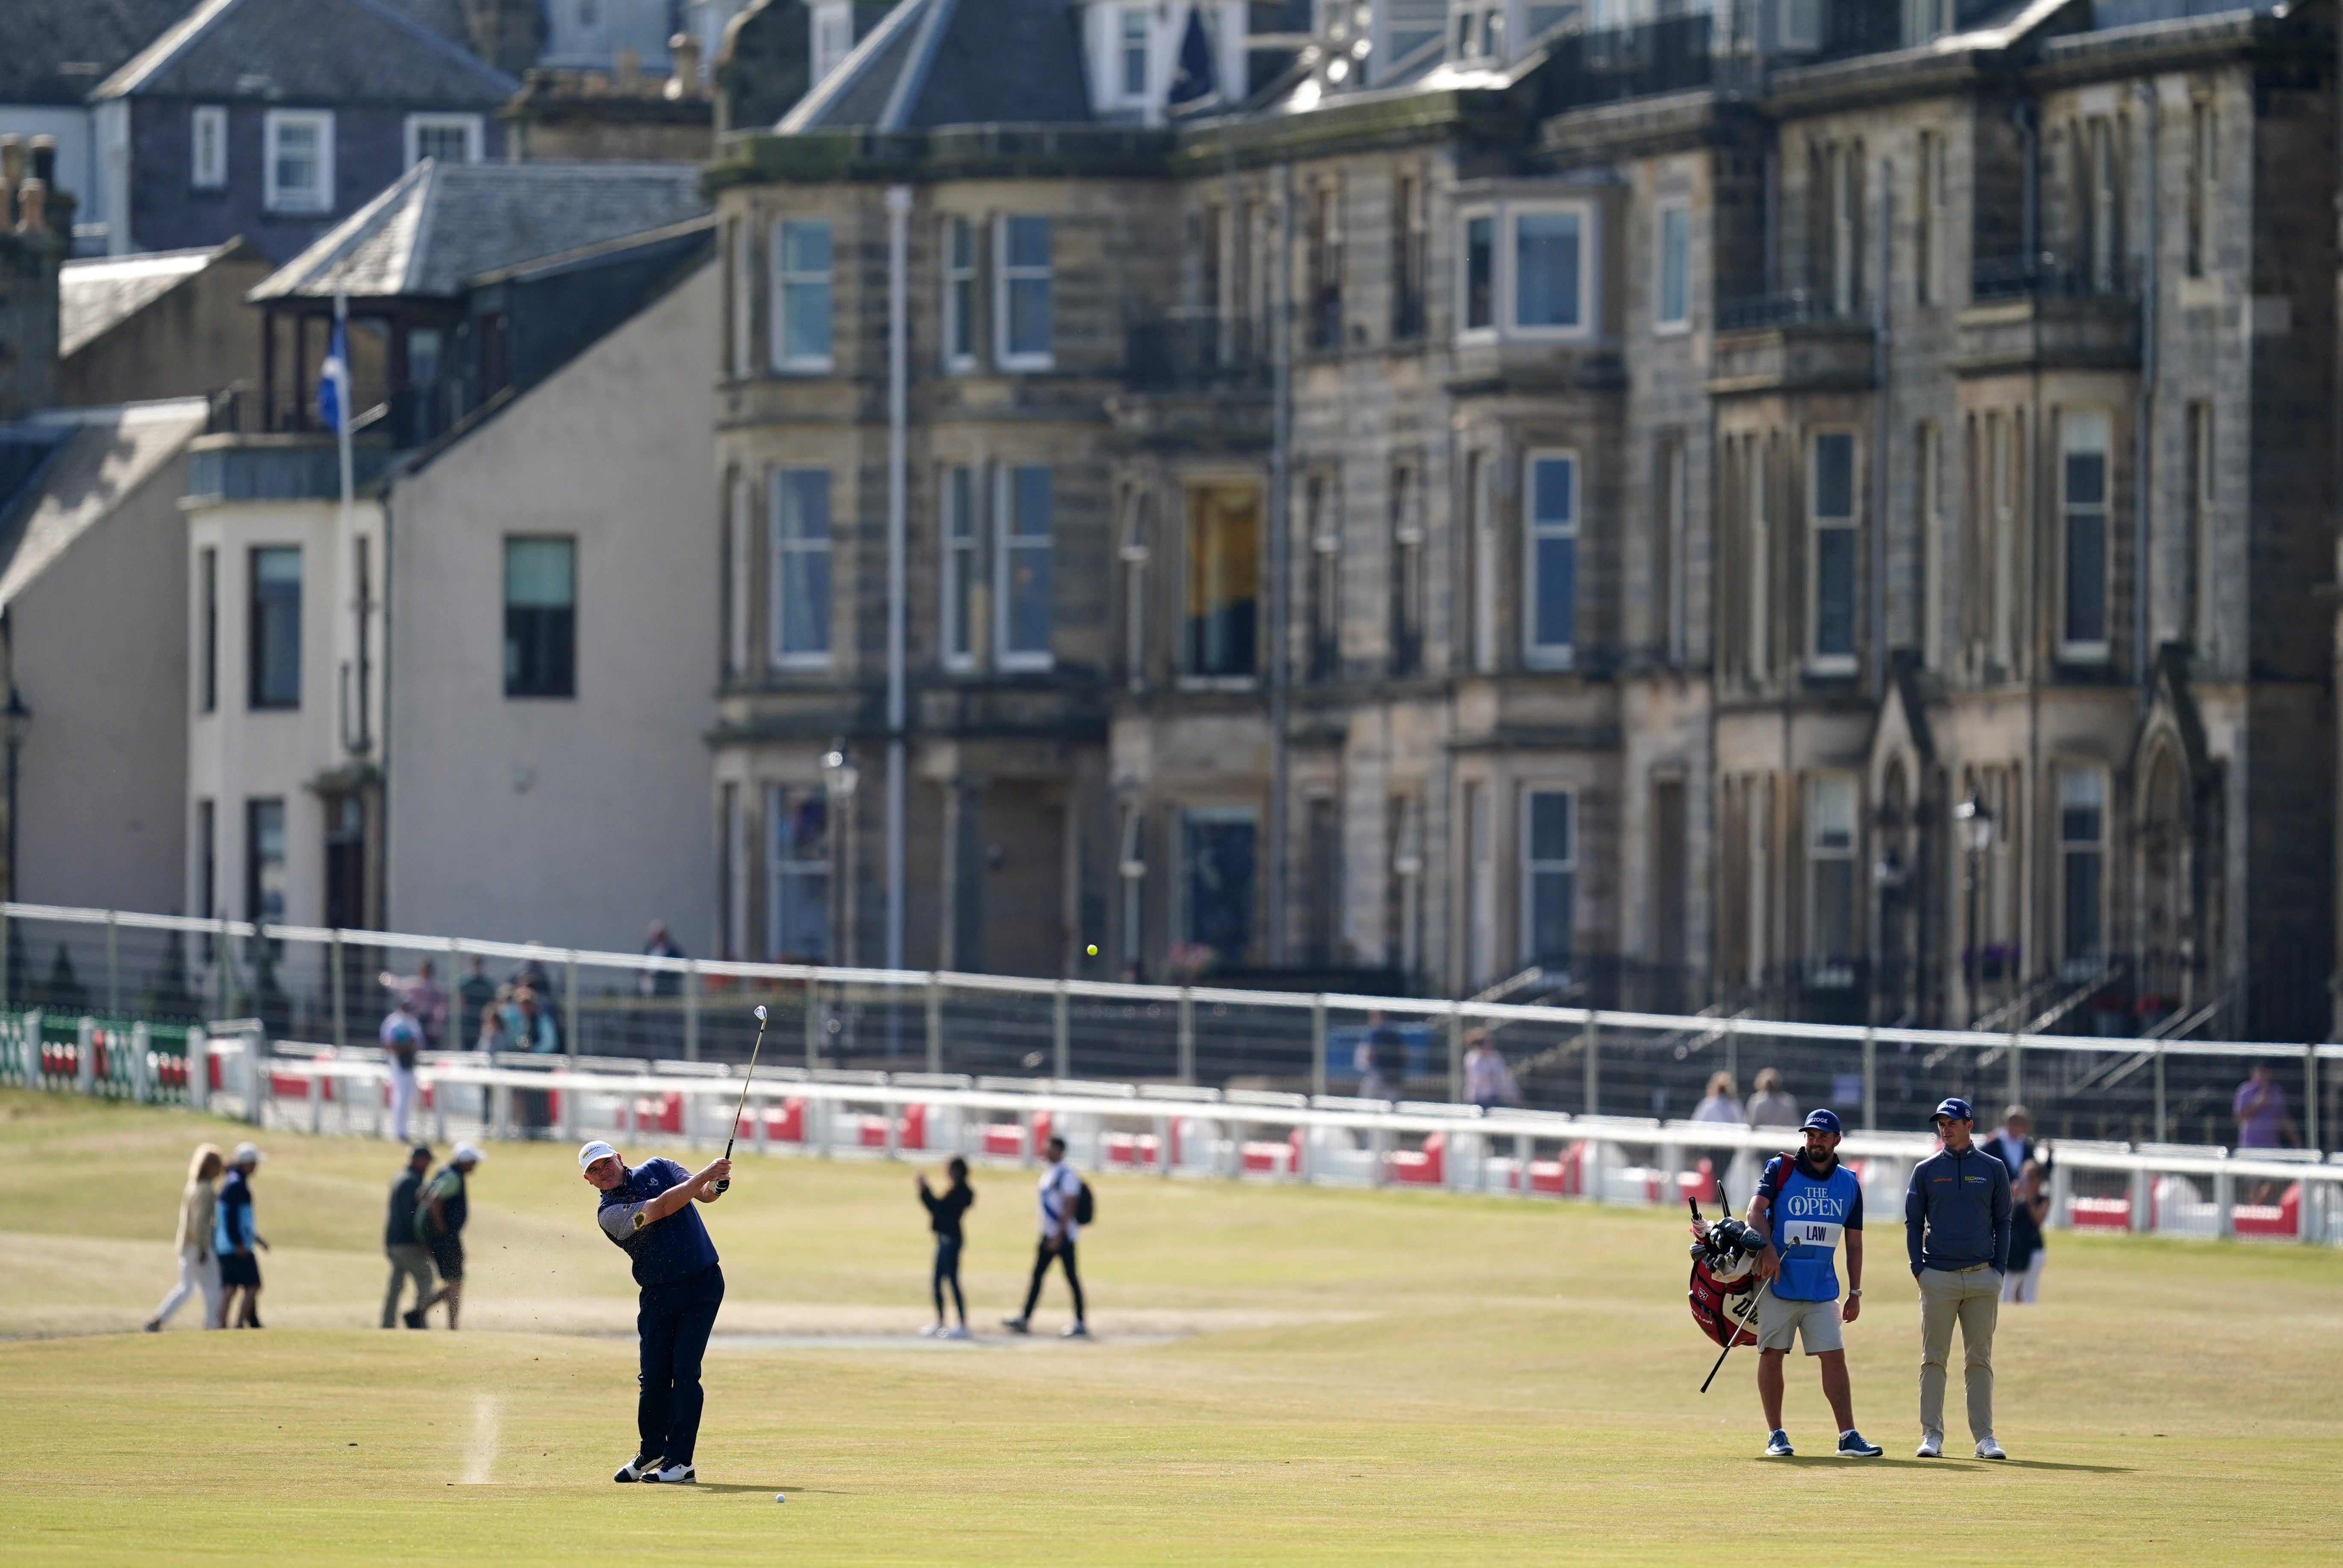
(1301, 1376)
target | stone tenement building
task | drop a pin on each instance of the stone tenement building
(1814, 505)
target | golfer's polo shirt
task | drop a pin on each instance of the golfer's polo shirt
(662, 1250)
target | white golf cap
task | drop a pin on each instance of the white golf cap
(248, 1153)
(465, 1152)
(598, 1150)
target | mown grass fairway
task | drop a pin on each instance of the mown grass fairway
(1282, 1375)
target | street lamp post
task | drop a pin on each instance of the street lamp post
(838, 778)
(1973, 819)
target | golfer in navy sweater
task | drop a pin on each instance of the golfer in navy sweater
(646, 1212)
(1956, 1232)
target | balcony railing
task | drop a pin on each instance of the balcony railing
(1202, 352)
(1792, 308)
(2051, 276)
(412, 415)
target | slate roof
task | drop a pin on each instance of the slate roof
(95, 34)
(337, 52)
(956, 62)
(108, 453)
(443, 224)
(95, 295)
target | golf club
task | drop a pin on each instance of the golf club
(734, 1132)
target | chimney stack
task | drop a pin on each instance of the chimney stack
(33, 208)
(685, 83)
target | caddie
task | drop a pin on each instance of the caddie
(646, 1212)
(1806, 1206)
(1957, 1230)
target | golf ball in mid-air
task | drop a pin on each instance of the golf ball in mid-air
(1092, 950)
(760, 1018)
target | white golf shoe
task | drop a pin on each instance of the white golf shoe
(1931, 1445)
(674, 1475)
(1988, 1449)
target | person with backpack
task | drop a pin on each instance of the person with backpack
(944, 1219)
(409, 1259)
(439, 1216)
(1065, 1209)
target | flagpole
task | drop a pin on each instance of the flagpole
(348, 535)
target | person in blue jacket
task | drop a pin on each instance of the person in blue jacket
(1956, 1232)
(646, 1210)
(1807, 1204)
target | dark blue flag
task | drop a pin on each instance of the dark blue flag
(1196, 80)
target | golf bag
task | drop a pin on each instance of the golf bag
(1723, 1259)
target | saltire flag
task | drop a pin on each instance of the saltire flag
(1196, 78)
(334, 378)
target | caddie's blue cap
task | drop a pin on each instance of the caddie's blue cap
(1820, 1121)
(1956, 1108)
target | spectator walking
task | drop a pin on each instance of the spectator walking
(2029, 1211)
(402, 1038)
(1956, 1234)
(646, 1212)
(1381, 1059)
(478, 992)
(234, 1236)
(440, 1212)
(199, 1262)
(1770, 1107)
(1488, 1082)
(420, 995)
(1722, 1104)
(1807, 1205)
(944, 1214)
(409, 1258)
(2013, 1145)
(659, 990)
(2264, 1119)
(1062, 1192)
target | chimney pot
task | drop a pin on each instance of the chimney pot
(32, 208)
(12, 159)
(44, 160)
(630, 72)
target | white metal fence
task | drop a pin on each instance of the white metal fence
(123, 969)
(1146, 1129)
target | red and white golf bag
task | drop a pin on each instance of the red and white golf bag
(1724, 1260)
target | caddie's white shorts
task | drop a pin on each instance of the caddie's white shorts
(1815, 1321)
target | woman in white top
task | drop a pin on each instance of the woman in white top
(1723, 1103)
(199, 1264)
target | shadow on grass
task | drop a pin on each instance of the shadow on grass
(1943, 1463)
(786, 1491)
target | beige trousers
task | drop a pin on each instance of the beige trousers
(1972, 1296)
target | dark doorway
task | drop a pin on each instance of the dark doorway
(1219, 846)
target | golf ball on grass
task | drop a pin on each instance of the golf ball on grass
(778, 1497)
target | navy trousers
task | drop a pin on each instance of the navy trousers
(674, 1322)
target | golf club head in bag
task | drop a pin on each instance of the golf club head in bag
(1724, 1261)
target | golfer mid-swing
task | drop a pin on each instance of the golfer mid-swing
(647, 1211)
